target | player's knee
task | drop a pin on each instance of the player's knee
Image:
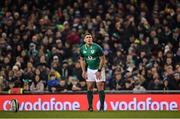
(100, 88)
(90, 88)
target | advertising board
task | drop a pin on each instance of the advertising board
(79, 102)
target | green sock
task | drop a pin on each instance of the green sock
(90, 98)
(102, 97)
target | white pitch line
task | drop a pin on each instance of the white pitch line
(91, 118)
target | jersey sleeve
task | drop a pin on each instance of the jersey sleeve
(100, 51)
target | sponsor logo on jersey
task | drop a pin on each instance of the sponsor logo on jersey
(90, 57)
(92, 51)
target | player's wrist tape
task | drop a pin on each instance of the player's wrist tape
(99, 70)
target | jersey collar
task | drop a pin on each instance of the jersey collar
(86, 46)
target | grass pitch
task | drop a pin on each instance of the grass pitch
(95, 114)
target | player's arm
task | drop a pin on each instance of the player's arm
(83, 67)
(83, 64)
(82, 61)
(102, 62)
(101, 57)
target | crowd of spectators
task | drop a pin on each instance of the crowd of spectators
(40, 41)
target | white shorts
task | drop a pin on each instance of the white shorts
(91, 76)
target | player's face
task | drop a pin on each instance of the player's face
(88, 39)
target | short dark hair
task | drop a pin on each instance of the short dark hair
(85, 34)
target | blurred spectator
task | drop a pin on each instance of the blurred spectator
(37, 85)
(66, 70)
(26, 84)
(118, 83)
(173, 82)
(3, 83)
(155, 83)
(44, 70)
(138, 88)
(29, 72)
(77, 71)
(62, 85)
(75, 83)
(53, 81)
(55, 64)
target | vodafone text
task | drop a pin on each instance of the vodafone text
(148, 104)
(134, 104)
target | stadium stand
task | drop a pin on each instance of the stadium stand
(40, 41)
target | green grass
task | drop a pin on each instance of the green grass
(85, 114)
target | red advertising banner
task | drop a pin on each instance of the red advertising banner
(79, 102)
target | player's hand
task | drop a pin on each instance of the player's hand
(84, 75)
(98, 75)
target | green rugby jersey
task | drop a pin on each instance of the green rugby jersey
(91, 55)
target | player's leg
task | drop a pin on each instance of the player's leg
(90, 94)
(90, 85)
(100, 87)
